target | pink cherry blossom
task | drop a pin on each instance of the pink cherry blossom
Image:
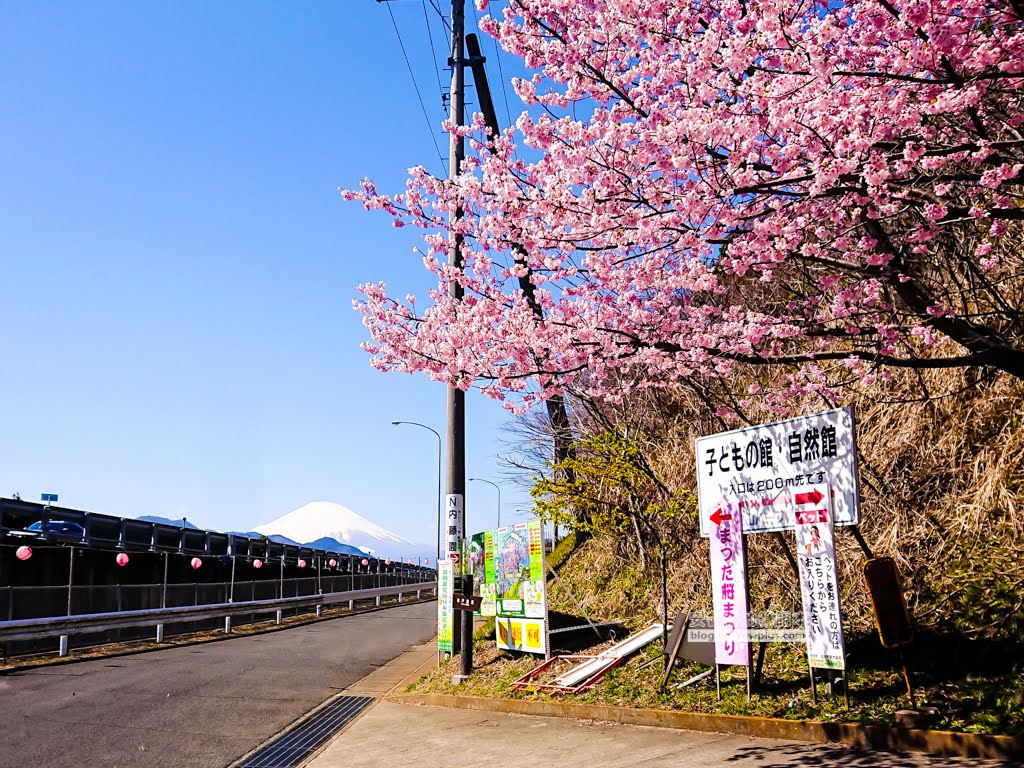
(699, 185)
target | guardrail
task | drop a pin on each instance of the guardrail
(65, 626)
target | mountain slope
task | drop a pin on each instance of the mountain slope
(326, 519)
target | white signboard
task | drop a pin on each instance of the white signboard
(729, 582)
(757, 468)
(455, 525)
(819, 585)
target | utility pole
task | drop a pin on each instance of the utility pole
(455, 517)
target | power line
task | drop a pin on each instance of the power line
(433, 53)
(444, 19)
(416, 86)
(501, 72)
(504, 83)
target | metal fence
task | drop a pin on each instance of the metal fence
(31, 602)
(21, 604)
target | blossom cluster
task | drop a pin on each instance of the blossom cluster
(696, 185)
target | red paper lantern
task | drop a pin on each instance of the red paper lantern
(196, 562)
(365, 561)
(387, 562)
(332, 562)
(257, 563)
(302, 563)
(426, 561)
(410, 561)
(121, 559)
(23, 553)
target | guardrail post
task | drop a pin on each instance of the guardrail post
(279, 614)
(378, 601)
(227, 625)
(351, 604)
(319, 610)
(399, 597)
(418, 593)
(63, 646)
(159, 633)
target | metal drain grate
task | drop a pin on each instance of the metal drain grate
(299, 742)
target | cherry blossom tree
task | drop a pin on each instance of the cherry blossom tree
(832, 188)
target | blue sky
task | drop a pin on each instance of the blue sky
(178, 268)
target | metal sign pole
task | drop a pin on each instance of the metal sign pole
(71, 572)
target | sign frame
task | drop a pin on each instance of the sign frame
(756, 467)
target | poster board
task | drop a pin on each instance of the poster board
(480, 556)
(509, 576)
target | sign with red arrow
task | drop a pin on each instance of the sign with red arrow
(811, 497)
(757, 470)
(717, 517)
(819, 586)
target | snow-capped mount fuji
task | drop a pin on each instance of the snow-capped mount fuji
(320, 519)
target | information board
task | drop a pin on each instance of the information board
(510, 561)
(756, 469)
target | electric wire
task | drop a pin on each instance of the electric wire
(504, 82)
(433, 52)
(501, 75)
(444, 19)
(415, 85)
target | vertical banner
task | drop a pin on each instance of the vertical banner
(819, 586)
(729, 585)
(455, 520)
(475, 562)
(534, 588)
(445, 611)
(489, 606)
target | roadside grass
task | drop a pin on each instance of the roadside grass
(974, 680)
(975, 701)
(976, 687)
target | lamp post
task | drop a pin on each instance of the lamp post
(498, 489)
(438, 436)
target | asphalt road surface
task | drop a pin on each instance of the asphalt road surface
(200, 705)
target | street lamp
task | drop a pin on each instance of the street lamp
(498, 489)
(424, 426)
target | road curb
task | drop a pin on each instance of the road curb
(945, 743)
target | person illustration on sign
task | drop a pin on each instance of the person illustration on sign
(815, 543)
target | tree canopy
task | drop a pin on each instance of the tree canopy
(832, 187)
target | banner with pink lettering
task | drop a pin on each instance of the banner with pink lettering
(729, 582)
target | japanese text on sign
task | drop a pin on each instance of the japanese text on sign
(729, 585)
(445, 591)
(454, 525)
(757, 467)
(819, 585)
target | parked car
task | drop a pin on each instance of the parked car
(61, 529)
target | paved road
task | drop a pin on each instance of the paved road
(191, 706)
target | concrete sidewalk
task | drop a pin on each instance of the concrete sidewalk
(391, 733)
(391, 730)
(399, 673)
